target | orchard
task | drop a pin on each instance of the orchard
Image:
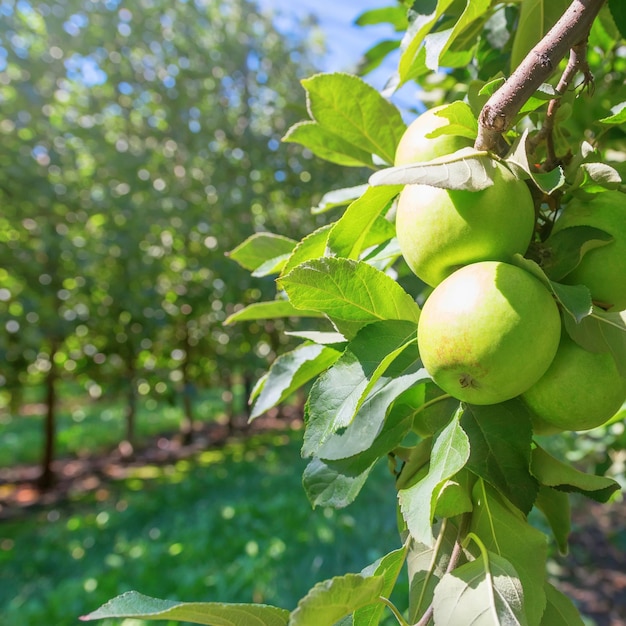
(464, 306)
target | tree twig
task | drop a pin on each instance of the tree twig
(570, 31)
(577, 62)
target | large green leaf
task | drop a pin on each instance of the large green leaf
(505, 531)
(426, 565)
(421, 20)
(500, 437)
(483, 592)
(554, 473)
(133, 604)
(351, 293)
(334, 599)
(601, 332)
(346, 105)
(389, 567)
(449, 455)
(355, 394)
(328, 145)
(565, 248)
(337, 483)
(466, 169)
(261, 248)
(555, 506)
(313, 246)
(438, 43)
(560, 610)
(618, 11)
(351, 234)
(290, 371)
(269, 310)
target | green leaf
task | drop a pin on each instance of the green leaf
(466, 169)
(389, 567)
(378, 365)
(438, 43)
(133, 604)
(560, 610)
(339, 197)
(536, 18)
(455, 495)
(601, 332)
(261, 248)
(450, 453)
(500, 436)
(313, 246)
(548, 182)
(351, 234)
(331, 600)
(554, 473)
(364, 431)
(504, 530)
(290, 371)
(394, 15)
(426, 566)
(347, 106)
(597, 177)
(555, 506)
(337, 483)
(618, 116)
(351, 293)
(420, 24)
(325, 338)
(565, 248)
(374, 56)
(269, 310)
(618, 11)
(483, 592)
(461, 121)
(575, 299)
(329, 483)
(328, 145)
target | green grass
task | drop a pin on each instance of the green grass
(93, 426)
(232, 526)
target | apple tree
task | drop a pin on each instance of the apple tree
(464, 305)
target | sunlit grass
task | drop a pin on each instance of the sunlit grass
(235, 526)
(90, 426)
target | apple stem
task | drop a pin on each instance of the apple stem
(570, 31)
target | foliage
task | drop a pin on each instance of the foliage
(467, 487)
(231, 523)
(139, 145)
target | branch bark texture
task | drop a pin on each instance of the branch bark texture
(571, 30)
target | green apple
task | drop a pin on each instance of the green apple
(415, 146)
(602, 270)
(488, 332)
(580, 390)
(440, 230)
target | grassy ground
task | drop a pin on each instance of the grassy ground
(92, 426)
(234, 526)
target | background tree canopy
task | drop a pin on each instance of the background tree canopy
(139, 144)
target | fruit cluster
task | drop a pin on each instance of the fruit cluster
(491, 331)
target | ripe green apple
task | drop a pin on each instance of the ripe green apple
(440, 230)
(415, 146)
(580, 390)
(602, 270)
(488, 332)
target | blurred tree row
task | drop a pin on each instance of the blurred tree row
(139, 142)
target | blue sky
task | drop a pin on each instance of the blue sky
(345, 43)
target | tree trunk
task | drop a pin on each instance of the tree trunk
(47, 478)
